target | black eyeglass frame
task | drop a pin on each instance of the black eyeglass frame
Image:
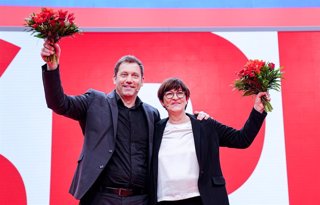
(170, 95)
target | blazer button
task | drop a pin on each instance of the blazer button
(110, 150)
(101, 166)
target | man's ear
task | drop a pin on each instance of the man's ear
(114, 79)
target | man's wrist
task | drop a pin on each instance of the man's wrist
(50, 68)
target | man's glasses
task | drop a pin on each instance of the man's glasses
(169, 95)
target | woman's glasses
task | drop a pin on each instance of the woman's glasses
(169, 95)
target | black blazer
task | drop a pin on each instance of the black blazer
(209, 135)
(97, 114)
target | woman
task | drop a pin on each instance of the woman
(186, 166)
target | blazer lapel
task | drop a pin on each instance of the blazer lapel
(159, 134)
(197, 136)
(111, 98)
(150, 120)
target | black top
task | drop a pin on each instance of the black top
(128, 167)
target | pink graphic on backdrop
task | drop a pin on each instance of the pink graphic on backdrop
(7, 53)
(12, 188)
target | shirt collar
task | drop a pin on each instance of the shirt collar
(137, 104)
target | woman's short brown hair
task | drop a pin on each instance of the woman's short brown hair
(175, 84)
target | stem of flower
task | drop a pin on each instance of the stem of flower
(52, 58)
(267, 105)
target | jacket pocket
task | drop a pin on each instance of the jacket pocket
(218, 181)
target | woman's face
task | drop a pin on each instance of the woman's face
(174, 101)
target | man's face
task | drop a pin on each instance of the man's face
(128, 80)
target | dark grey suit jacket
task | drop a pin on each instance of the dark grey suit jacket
(209, 135)
(97, 114)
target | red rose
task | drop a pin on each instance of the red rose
(271, 66)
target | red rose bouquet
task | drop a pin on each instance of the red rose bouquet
(258, 76)
(51, 25)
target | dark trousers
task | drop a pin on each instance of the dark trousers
(190, 201)
(102, 198)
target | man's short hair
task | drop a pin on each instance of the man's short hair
(128, 59)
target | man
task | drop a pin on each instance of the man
(114, 164)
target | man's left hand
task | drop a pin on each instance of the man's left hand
(201, 115)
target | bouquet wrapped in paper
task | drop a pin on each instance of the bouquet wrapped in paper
(258, 76)
(51, 25)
